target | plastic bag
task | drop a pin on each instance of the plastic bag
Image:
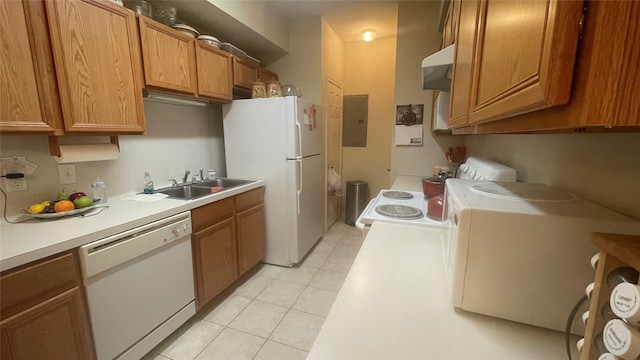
(334, 183)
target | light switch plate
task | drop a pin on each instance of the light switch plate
(67, 174)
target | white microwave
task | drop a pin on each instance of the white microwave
(521, 251)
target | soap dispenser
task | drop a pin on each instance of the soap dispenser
(147, 184)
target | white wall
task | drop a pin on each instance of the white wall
(332, 54)
(370, 69)
(259, 16)
(603, 168)
(418, 37)
(178, 138)
(302, 66)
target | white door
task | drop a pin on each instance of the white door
(334, 146)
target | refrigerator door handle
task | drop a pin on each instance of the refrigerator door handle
(299, 190)
(299, 147)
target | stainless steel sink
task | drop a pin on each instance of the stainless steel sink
(203, 188)
(186, 192)
(224, 182)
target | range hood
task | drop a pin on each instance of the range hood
(437, 70)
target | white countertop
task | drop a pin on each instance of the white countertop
(394, 304)
(408, 183)
(35, 239)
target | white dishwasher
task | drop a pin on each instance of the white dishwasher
(139, 286)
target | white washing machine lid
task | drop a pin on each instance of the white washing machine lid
(468, 197)
(522, 191)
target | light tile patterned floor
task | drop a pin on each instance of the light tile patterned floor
(276, 314)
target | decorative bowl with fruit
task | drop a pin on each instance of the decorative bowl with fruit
(64, 205)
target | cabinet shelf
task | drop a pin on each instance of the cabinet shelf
(615, 251)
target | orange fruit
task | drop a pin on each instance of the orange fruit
(63, 205)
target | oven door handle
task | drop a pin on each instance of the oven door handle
(359, 224)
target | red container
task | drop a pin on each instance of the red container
(434, 207)
(432, 186)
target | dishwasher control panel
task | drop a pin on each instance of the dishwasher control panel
(114, 250)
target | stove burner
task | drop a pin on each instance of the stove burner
(399, 195)
(399, 211)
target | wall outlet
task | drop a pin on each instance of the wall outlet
(67, 174)
(13, 185)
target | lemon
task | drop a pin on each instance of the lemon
(46, 203)
(36, 208)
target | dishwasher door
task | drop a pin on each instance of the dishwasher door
(139, 286)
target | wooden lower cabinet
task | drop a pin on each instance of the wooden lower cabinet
(214, 250)
(251, 238)
(44, 315)
(228, 240)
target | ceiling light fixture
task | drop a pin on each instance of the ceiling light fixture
(368, 35)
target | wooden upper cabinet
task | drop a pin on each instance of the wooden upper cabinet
(604, 94)
(214, 72)
(462, 62)
(30, 100)
(266, 75)
(97, 59)
(169, 57)
(244, 73)
(450, 27)
(524, 56)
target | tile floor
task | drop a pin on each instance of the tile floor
(275, 314)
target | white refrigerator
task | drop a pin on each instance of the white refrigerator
(281, 141)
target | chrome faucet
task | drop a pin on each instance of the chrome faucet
(201, 174)
(174, 183)
(186, 176)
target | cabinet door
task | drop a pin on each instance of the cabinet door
(214, 72)
(462, 62)
(43, 312)
(251, 238)
(526, 63)
(450, 27)
(265, 75)
(244, 73)
(97, 58)
(215, 262)
(55, 329)
(169, 57)
(30, 101)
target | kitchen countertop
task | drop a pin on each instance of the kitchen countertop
(36, 239)
(394, 304)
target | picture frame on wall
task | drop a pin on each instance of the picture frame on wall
(409, 124)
